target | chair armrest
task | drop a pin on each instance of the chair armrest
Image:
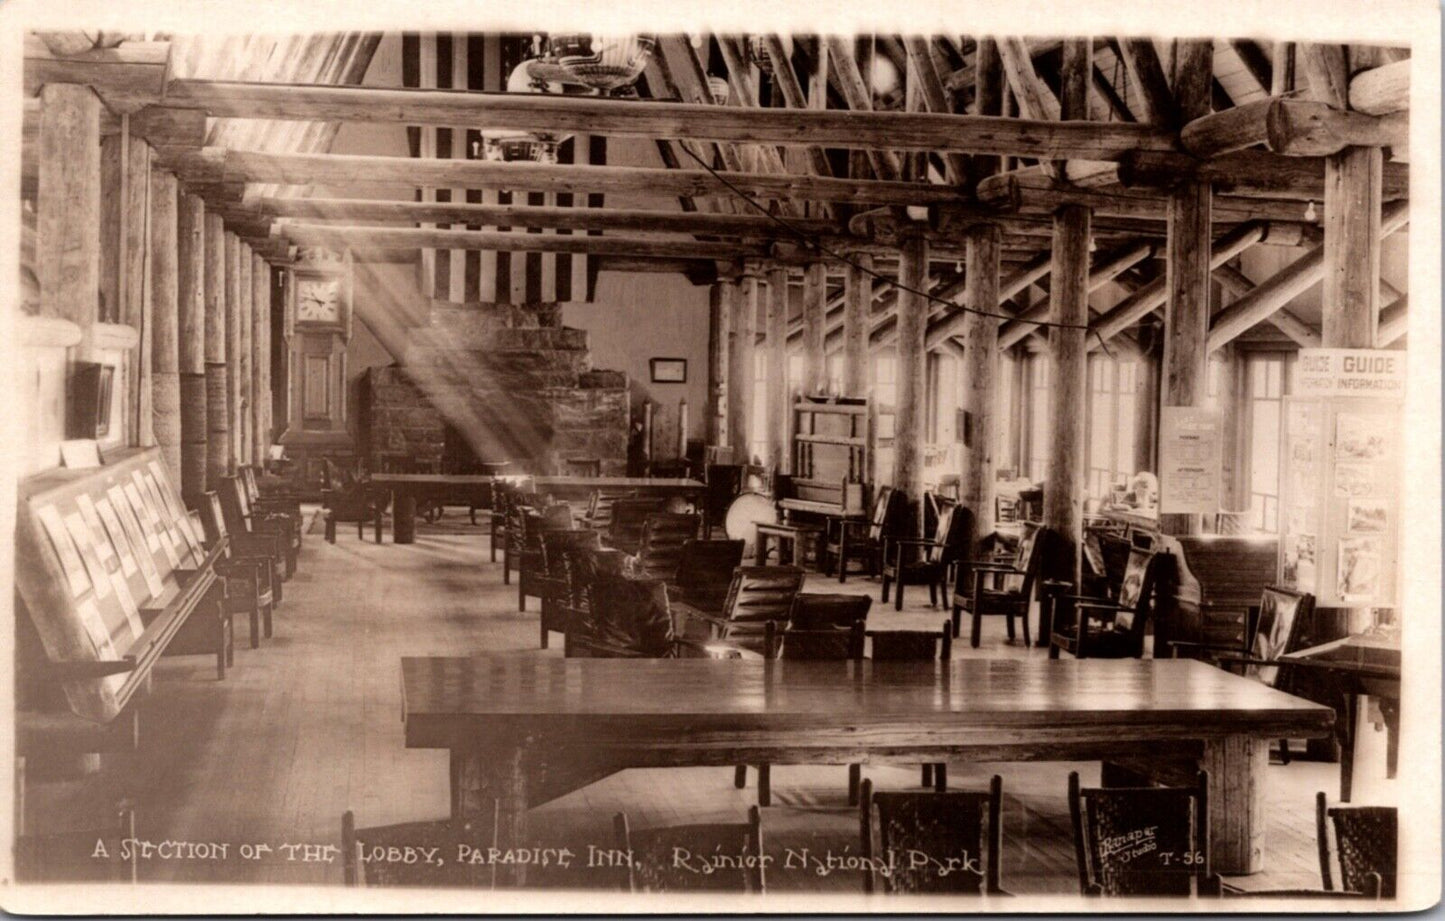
(992, 566)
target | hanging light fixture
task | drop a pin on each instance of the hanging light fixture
(603, 62)
(720, 90)
(509, 144)
(1310, 214)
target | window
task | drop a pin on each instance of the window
(1039, 407)
(1266, 378)
(835, 375)
(795, 375)
(1006, 428)
(885, 391)
(1111, 424)
(942, 398)
(758, 425)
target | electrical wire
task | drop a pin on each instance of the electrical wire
(813, 244)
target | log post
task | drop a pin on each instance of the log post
(912, 359)
(218, 421)
(260, 359)
(233, 350)
(1069, 297)
(857, 301)
(246, 354)
(776, 360)
(67, 257)
(1187, 269)
(191, 340)
(1146, 410)
(165, 345)
(125, 164)
(980, 375)
(742, 342)
(717, 365)
(815, 356)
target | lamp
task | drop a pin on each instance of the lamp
(720, 90)
(506, 145)
(603, 62)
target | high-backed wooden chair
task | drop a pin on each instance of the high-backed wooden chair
(654, 866)
(1110, 628)
(598, 515)
(1141, 840)
(552, 580)
(364, 850)
(659, 550)
(506, 494)
(1367, 842)
(913, 646)
(1009, 600)
(845, 544)
(927, 561)
(345, 498)
(275, 500)
(249, 568)
(273, 535)
(531, 524)
(629, 517)
(955, 823)
(704, 572)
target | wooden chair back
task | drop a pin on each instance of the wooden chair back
(660, 548)
(724, 483)
(654, 864)
(885, 511)
(911, 645)
(630, 616)
(599, 508)
(359, 844)
(705, 570)
(950, 535)
(954, 823)
(1140, 840)
(1283, 622)
(629, 517)
(558, 542)
(828, 610)
(758, 595)
(819, 644)
(1367, 841)
(1005, 509)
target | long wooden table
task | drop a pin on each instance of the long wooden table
(405, 489)
(522, 730)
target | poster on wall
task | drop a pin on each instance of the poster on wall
(1189, 460)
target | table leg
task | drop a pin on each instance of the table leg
(403, 524)
(376, 517)
(491, 786)
(1236, 766)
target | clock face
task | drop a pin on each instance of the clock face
(318, 300)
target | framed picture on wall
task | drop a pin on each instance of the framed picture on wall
(669, 370)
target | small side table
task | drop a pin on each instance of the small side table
(787, 537)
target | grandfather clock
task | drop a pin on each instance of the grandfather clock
(318, 313)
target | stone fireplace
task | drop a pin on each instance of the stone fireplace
(508, 381)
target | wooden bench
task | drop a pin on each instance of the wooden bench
(109, 570)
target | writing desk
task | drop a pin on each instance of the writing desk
(525, 730)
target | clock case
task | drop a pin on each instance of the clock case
(303, 278)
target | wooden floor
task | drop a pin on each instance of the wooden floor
(309, 725)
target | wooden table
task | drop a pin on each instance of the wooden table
(787, 536)
(524, 730)
(468, 489)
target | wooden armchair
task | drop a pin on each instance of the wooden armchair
(1110, 628)
(962, 822)
(348, 499)
(629, 517)
(1008, 600)
(913, 646)
(704, 572)
(631, 618)
(446, 835)
(552, 580)
(598, 515)
(529, 525)
(1147, 841)
(248, 568)
(660, 548)
(845, 544)
(1367, 842)
(274, 536)
(757, 595)
(929, 561)
(506, 494)
(653, 866)
(236, 500)
(273, 501)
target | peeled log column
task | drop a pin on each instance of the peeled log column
(858, 300)
(912, 356)
(67, 253)
(218, 421)
(165, 346)
(980, 374)
(245, 353)
(125, 167)
(261, 359)
(191, 340)
(1352, 248)
(742, 341)
(815, 357)
(1186, 325)
(717, 365)
(1069, 294)
(233, 350)
(776, 415)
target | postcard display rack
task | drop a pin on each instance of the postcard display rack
(111, 568)
(1340, 500)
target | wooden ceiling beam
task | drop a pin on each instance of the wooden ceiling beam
(1249, 173)
(859, 96)
(126, 77)
(1327, 71)
(1027, 190)
(935, 98)
(911, 131)
(429, 238)
(222, 165)
(1141, 60)
(1256, 61)
(1394, 322)
(1107, 267)
(786, 80)
(1292, 127)
(1238, 284)
(1382, 90)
